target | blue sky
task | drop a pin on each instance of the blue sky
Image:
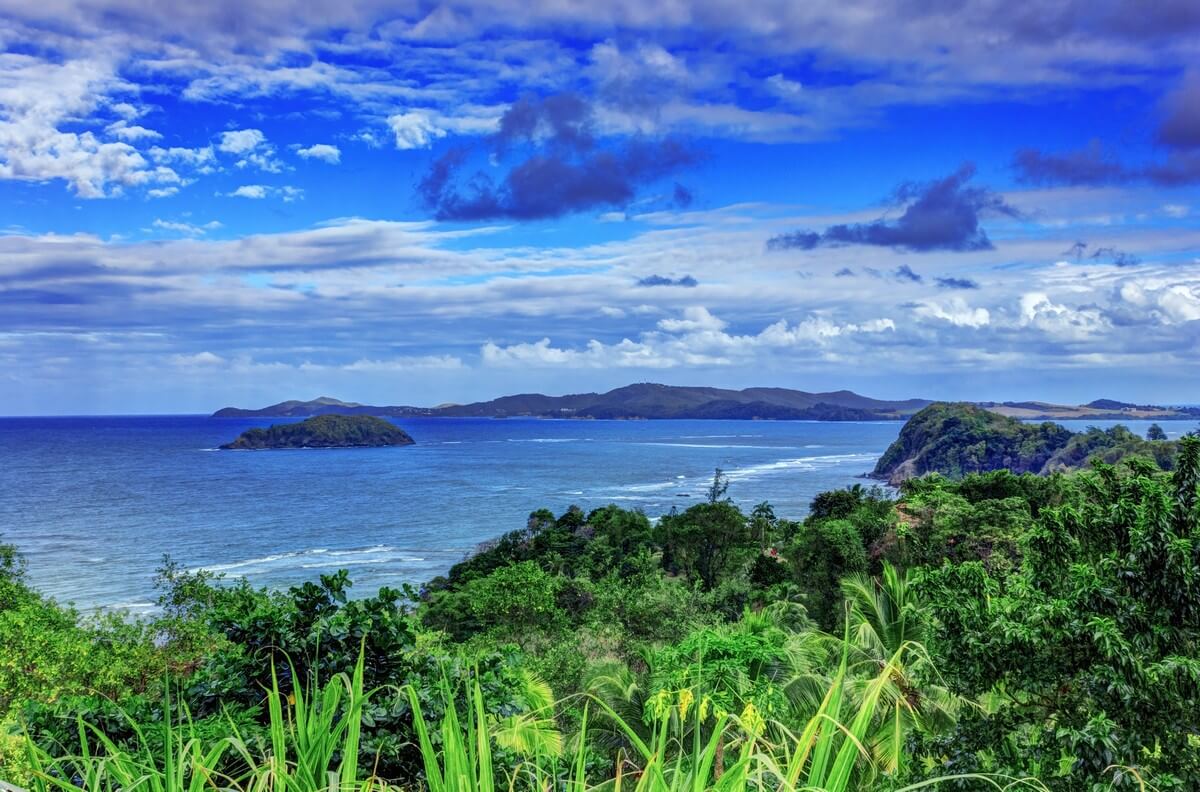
(416, 202)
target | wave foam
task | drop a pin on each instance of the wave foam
(311, 558)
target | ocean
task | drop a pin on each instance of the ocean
(94, 503)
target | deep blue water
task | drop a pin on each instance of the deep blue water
(94, 503)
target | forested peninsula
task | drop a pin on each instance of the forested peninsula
(957, 438)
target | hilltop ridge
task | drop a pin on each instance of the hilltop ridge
(645, 400)
(649, 400)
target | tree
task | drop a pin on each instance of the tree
(518, 598)
(1155, 432)
(707, 541)
(718, 487)
(1091, 649)
(887, 626)
(821, 555)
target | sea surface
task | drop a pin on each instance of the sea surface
(94, 503)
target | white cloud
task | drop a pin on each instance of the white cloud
(126, 110)
(202, 159)
(783, 86)
(402, 364)
(694, 318)
(202, 359)
(287, 193)
(188, 229)
(414, 129)
(131, 133)
(244, 364)
(240, 141)
(1061, 322)
(696, 339)
(37, 97)
(262, 160)
(1165, 302)
(255, 191)
(1180, 303)
(252, 146)
(955, 311)
(322, 151)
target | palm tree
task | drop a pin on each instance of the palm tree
(888, 628)
(534, 732)
(619, 691)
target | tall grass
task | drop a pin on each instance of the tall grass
(313, 747)
(314, 740)
(829, 754)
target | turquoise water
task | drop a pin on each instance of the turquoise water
(94, 503)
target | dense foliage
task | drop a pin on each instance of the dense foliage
(986, 623)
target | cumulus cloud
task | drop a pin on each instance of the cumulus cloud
(240, 141)
(1168, 303)
(251, 148)
(38, 97)
(1059, 321)
(414, 129)
(202, 159)
(123, 130)
(939, 215)
(955, 311)
(697, 338)
(255, 191)
(694, 318)
(321, 151)
(561, 168)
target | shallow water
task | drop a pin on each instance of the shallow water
(94, 503)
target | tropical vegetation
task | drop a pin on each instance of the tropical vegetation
(990, 630)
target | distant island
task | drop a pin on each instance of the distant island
(654, 401)
(955, 439)
(325, 431)
(641, 401)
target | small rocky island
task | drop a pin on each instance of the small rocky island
(325, 431)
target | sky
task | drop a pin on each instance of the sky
(239, 202)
